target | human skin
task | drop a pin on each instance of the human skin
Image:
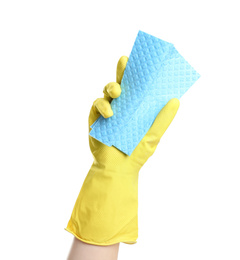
(84, 251)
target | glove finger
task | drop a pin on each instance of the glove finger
(103, 107)
(122, 63)
(162, 121)
(112, 90)
(93, 116)
(149, 143)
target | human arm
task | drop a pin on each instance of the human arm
(84, 251)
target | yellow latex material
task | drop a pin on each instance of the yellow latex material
(106, 210)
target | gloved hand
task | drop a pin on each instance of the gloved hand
(106, 210)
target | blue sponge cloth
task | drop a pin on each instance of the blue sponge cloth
(155, 73)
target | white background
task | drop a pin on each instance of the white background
(55, 59)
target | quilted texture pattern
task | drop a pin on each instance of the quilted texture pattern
(155, 73)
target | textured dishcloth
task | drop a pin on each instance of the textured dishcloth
(155, 73)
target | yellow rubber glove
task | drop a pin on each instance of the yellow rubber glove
(106, 210)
